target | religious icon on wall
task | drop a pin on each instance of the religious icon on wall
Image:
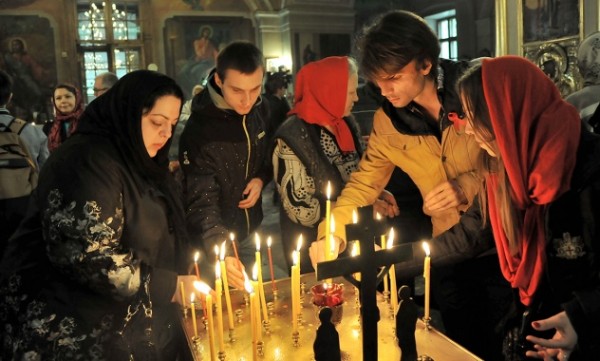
(550, 19)
(27, 53)
(194, 42)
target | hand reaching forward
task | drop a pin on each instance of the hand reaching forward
(317, 251)
(444, 196)
(560, 345)
(251, 193)
(386, 205)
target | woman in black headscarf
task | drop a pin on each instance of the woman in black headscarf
(104, 235)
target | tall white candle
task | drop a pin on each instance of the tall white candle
(226, 286)
(328, 222)
(393, 287)
(204, 288)
(261, 289)
(219, 303)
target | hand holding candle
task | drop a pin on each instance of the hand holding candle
(427, 277)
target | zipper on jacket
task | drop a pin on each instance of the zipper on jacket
(248, 143)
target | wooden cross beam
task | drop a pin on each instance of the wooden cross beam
(367, 263)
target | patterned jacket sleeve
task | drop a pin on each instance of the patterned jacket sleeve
(83, 221)
(296, 187)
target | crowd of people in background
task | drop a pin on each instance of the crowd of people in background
(484, 156)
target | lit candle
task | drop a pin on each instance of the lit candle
(331, 246)
(253, 321)
(427, 276)
(226, 286)
(204, 288)
(273, 285)
(218, 291)
(295, 284)
(194, 324)
(298, 247)
(182, 294)
(196, 257)
(386, 289)
(328, 222)
(260, 286)
(393, 287)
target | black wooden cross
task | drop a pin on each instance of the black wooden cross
(366, 231)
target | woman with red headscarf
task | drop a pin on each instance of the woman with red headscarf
(542, 196)
(68, 107)
(318, 143)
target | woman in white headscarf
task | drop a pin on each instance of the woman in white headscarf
(587, 99)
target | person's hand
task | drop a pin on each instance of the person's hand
(560, 345)
(251, 193)
(444, 196)
(316, 251)
(386, 205)
(235, 275)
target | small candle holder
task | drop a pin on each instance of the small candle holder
(270, 307)
(296, 338)
(221, 355)
(266, 326)
(246, 299)
(275, 294)
(239, 316)
(197, 344)
(260, 348)
(231, 335)
(427, 322)
(185, 311)
(205, 323)
(302, 288)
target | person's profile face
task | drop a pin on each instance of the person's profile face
(241, 91)
(158, 123)
(351, 95)
(405, 85)
(64, 100)
(99, 87)
(485, 140)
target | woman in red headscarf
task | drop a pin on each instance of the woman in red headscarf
(68, 107)
(542, 196)
(318, 143)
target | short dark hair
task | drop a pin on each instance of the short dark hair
(394, 40)
(275, 81)
(242, 56)
(6, 84)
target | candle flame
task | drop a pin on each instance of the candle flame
(377, 216)
(426, 248)
(255, 271)
(257, 241)
(216, 250)
(332, 246)
(222, 253)
(328, 190)
(202, 287)
(217, 270)
(295, 258)
(247, 284)
(332, 225)
(299, 244)
(231, 236)
(196, 256)
(269, 241)
(354, 217)
(390, 241)
(193, 297)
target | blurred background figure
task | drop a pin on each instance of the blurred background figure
(587, 99)
(68, 107)
(103, 82)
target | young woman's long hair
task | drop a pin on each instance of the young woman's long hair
(470, 88)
